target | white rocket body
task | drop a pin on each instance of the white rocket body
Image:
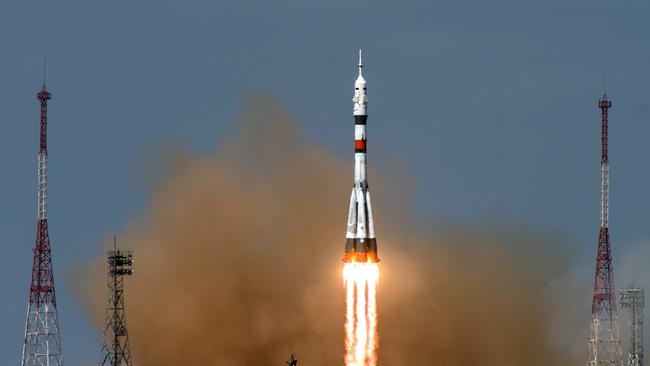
(360, 244)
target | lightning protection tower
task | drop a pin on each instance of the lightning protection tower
(115, 349)
(42, 342)
(633, 299)
(604, 343)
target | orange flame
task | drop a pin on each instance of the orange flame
(361, 337)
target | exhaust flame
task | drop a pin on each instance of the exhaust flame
(361, 341)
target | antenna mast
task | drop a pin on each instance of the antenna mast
(604, 342)
(42, 343)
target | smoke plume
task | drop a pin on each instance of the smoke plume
(238, 263)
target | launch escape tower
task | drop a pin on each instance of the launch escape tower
(115, 349)
(633, 299)
(604, 343)
(42, 343)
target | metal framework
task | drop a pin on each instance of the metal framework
(115, 348)
(292, 360)
(604, 342)
(633, 299)
(42, 342)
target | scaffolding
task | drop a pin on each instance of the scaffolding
(633, 299)
(115, 349)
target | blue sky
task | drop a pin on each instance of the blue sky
(491, 106)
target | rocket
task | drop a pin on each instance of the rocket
(360, 243)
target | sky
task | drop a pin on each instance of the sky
(490, 106)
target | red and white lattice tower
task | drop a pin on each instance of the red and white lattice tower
(42, 346)
(604, 341)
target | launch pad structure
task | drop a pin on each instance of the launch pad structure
(115, 349)
(632, 298)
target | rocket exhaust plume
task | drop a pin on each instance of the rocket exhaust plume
(360, 269)
(361, 313)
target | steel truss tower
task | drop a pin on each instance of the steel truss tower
(604, 342)
(42, 344)
(633, 299)
(115, 349)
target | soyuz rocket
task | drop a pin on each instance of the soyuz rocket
(360, 243)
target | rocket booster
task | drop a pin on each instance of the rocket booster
(360, 243)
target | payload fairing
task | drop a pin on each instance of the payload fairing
(360, 244)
